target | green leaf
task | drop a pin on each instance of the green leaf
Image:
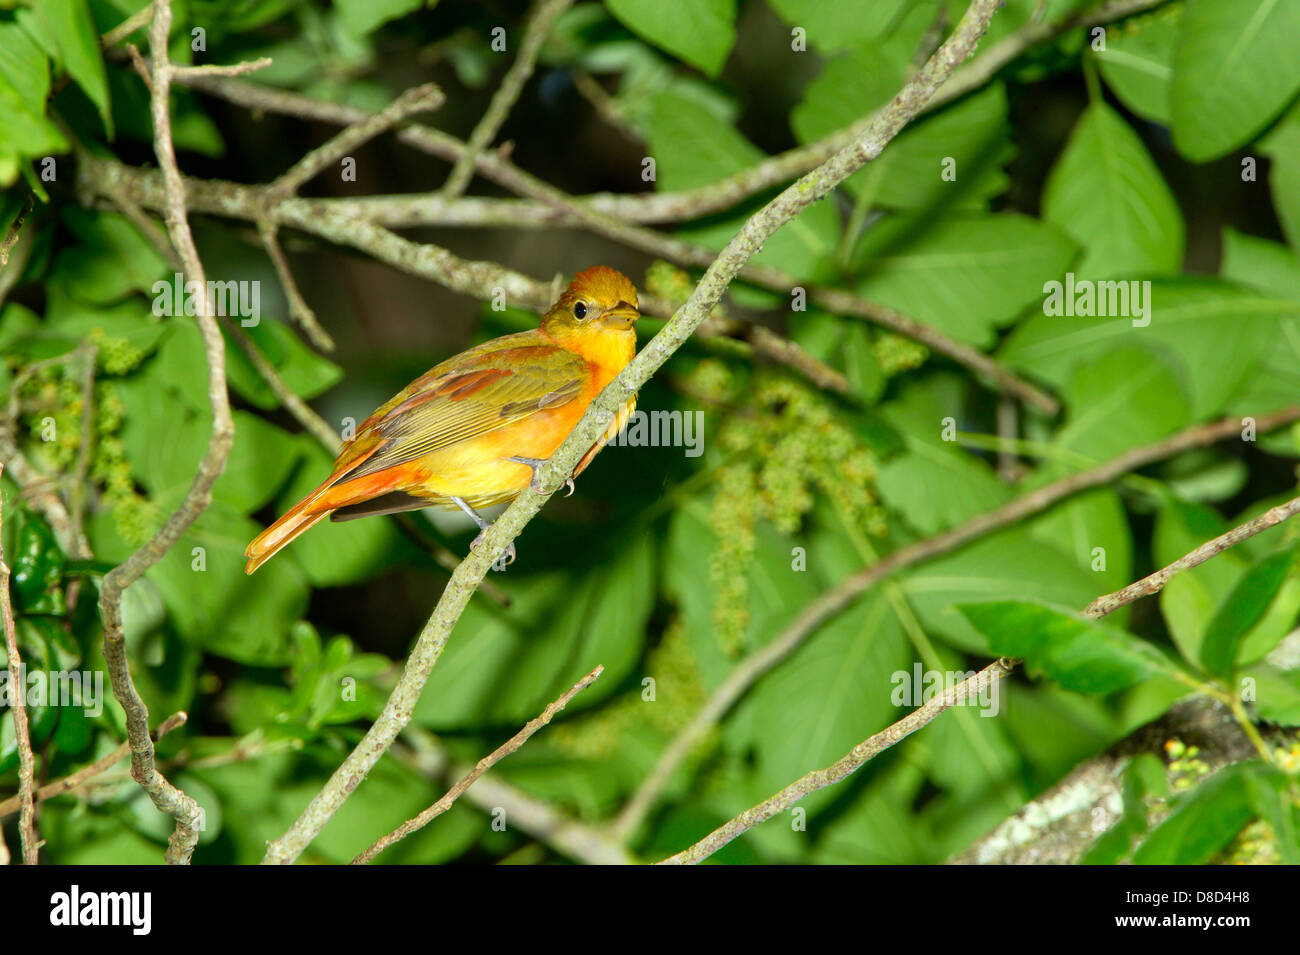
(1143, 777)
(362, 17)
(811, 709)
(1235, 69)
(24, 84)
(1107, 194)
(1081, 526)
(1220, 333)
(692, 146)
(1138, 62)
(1080, 654)
(1009, 565)
(1276, 693)
(69, 22)
(1282, 146)
(1103, 390)
(1244, 606)
(701, 32)
(111, 260)
(964, 274)
(214, 604)
(514, 661)
(833, 25)
(1260, 264)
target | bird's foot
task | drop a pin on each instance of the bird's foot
(536, 463)
(508, 555)
(483, 527)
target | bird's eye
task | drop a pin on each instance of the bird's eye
(579, 310)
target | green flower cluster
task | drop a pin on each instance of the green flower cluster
(785, 445)
(897, 354)
(51, 410)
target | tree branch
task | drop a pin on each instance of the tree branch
(433, 638)
(329, 220)
(483, 765)
(415, 100)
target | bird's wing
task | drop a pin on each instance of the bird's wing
(473, 395)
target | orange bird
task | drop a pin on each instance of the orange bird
(472, 431)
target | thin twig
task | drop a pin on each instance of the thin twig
(748, 671)
(528, 814)
(1154, 583)
(16, 229)
(81, 469)
(865, 751)
(968, 689)
(181, 73)
(540, 19)
(18, 705)
(144, 770)
(136, 21)
(415, 100)
(299, 310)
(483, 765)
(88, 774)
(756, 230)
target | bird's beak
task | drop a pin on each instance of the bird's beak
(621, 315)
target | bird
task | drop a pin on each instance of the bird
(473, 431)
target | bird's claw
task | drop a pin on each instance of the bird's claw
(509, 553)
(535, 483)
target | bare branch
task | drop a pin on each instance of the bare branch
(1154, 583)
(415, 100)
(18, 705)
(331, 221)
(868, 749)
(299, 310)
(483, 765)
(692, 203)
(180, 73)
(165, 796)
(16, 229)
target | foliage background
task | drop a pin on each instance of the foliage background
(1126, 163)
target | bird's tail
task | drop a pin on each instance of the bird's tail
(296, 520)
(335, 493)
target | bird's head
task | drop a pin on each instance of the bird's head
(599, 301)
